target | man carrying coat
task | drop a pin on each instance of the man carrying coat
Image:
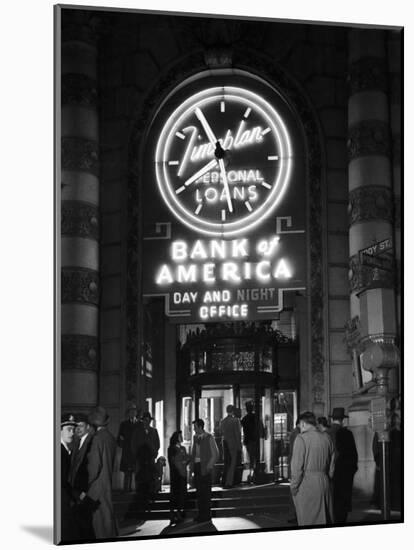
(312, 467)
(346, 464)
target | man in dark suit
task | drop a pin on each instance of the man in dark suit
(145, 444)
(346, 464)
(253, 431)
(126, 429)
(68, 523)
(78, 477)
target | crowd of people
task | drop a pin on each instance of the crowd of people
(322, 463)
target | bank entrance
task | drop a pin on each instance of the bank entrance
(240, 363)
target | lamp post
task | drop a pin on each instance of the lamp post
(381, 355)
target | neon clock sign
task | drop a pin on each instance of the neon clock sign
(223, 161)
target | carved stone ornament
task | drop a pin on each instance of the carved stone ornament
(216, 58)
(80, 351)
(352, 333)
(80, 285)
(79, 89)
(368, 73)
(363, 277)
(369, 137)
(80, 219)
(80, 154)
(370, 203)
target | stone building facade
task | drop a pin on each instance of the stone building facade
(345, 85)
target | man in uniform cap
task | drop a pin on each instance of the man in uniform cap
(101, 459)
(68, 524)
(346, 464)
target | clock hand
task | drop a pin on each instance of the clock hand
(201, 172)
(226, 184)
(212, 138)
(207, 128)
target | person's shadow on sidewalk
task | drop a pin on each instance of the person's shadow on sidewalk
(190, 526)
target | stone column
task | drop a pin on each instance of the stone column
(79, 213)
(371, 210)
(395, 81)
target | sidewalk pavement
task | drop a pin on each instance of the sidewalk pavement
(362, 513)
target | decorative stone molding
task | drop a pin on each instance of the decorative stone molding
(368, 73)
(369, 137)
(216, 58)
(370, 203)
(80, 219)
(80, 285)
(362, 277)
(80, 154)
(80, 352)
(79, 89)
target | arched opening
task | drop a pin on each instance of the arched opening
(209, 289)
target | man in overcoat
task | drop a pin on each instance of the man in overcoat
(231, 434)
(204, 456)
(346, 464)
(253, 431)
(312, 468)
(101, 460)
(78, 477)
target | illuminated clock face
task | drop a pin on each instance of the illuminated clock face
(223, 161)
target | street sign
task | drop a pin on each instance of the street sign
(377, 248)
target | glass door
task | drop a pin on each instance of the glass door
(284, 419)
(212, 409)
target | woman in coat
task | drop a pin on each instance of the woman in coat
(177, 460)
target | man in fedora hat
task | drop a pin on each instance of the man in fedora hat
(145, 444)
(101, 459)
(346, 464)
(68, 523)
(126, 429)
